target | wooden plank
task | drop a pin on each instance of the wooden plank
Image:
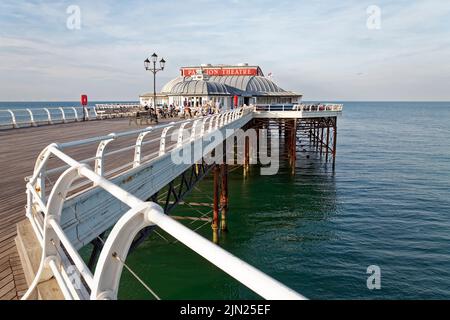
(5, 273)
(9, 278)
(8, 288)
(11, 295)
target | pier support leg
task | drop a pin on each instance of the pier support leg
(287, 140)
(215, 222)
(328, 142)
(280, 128)
(316, 135)
(334, 140)
(293, 145)
(246, 156)
(224, 198)
(321, 141)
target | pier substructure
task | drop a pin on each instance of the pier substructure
(322, 136)
(307, 135)
(169, 198)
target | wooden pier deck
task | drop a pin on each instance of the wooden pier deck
(19, 149)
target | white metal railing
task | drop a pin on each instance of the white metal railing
(302, 107)
(208, 123)
(16, 118)
(58, 253)
(30, 117)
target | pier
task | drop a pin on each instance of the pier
(82, 180)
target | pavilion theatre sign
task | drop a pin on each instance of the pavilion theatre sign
(187, 72)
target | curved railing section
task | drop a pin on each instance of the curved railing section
(59, 254)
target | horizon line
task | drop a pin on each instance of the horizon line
(311, 100)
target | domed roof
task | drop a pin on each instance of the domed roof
(262, 84)
(199, 87)
(253, 85)
(169, 85)
(225, 85)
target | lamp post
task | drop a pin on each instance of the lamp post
(150, 65)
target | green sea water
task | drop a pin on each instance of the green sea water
(387, 203)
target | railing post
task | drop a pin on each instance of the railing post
(115, 250)
(180, 134)
(194, 129)
(216, 126)
(13, 118)
(99, 159)
(162, 143)
(76, 113)
(202, 132)
(138, 148)
(221, 119)
(211, 121)
(49, 116)
(32, 122)
(63, 114)
(230, 116)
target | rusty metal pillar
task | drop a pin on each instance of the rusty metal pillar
(215, 222)
(316, 135)
(294, 145)
(288, 140)
(328, 141)
(334, 140)
(246, 156)
(224, 198)
(321, 140)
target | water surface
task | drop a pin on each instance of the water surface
(386, 204)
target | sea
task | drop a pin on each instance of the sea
(385, 206)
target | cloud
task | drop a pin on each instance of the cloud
(320, 48)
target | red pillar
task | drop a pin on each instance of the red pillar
(215, 222)
(224, 198)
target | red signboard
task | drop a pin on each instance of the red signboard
(84, 100)
(187, 72)
(236, 101)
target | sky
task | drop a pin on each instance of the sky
(326, 50)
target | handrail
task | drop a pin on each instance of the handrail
(321, 107)
(17, 118)
(105, 281)
(104, 140)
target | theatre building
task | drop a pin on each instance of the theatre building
(226, 84)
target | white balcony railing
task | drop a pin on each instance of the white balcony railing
(301, 108)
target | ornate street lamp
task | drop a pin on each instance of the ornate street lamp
(150, 65)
